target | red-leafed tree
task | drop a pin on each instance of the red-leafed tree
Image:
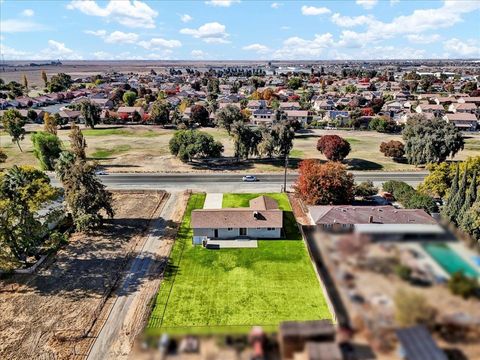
(333, 147)
(367, 111)
(199, 115)
(324, 184)
(393, 148)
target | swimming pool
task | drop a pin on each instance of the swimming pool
(449, 260)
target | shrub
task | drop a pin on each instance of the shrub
(190, 144)
(365, 189)
(413, 309)
(403, 272)
(393, 149)
(462, 285)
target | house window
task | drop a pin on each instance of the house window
(258, 228)
(270, 229)
(230, 229)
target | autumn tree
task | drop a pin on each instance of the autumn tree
(393, 148)
(46, 148)
(77, 141)
(49, 124)
(14, 123)
(324, 184)
(430, 140)
(199, 115)
(333, 147)
(3, 156)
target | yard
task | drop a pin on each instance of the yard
(229, 291)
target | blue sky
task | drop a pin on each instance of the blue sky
(246, 30)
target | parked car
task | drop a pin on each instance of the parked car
(249, 178)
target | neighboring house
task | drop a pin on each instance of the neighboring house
(323, 104)
(438, 110)
(256, 104)
(261, 220)
(380, 222)
(70, 115)
(475, 100)
(337, 115)
(126, 112)
(262, 116)
(289, 105)
(463, 108)
(103, 103)
(297, 115)
(463, 121)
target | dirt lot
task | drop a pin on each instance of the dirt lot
(47, 314)
(143, 148)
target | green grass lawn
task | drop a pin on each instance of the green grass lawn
(231, 290)
(103, 153)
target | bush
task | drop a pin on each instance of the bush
(409, 197)
(46, 148)
(403, 272)
(412, 309)
(393, 149)
(365, 189)
(462, 285)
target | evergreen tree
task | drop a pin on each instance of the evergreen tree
(469, 198)
(447, 209)
(77, 141)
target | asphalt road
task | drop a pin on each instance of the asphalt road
(232, 182)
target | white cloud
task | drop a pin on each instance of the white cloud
(186, 18)
(133, 14)
(213, 32)
(459, 49)
(198, 54)
(116, 37)
(221, 3)
(11, 53)
(275, 5)
(102, 55)
(349, 21)
(58, 50)
(156, 43)
(258, 48)
(14, 26)
(367, 4)
(28, 13)
(312, 10)
(298, 48)
(423, 39)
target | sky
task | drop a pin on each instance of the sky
(239, 30)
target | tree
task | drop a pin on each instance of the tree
(462, 285)
(13, 123)
(365, 189)
(46, 148)
(227, 116)
(59, 82)
(294, 83)
(32, 115)
(199, 115)
(413, 309)
(324, 184)
(25, 82)
(409, 197)
(23, 190)
(393, 148)
(77, 141)
(3, 156)
(245, 139)
(44, 78)
(333, 147)
(470, 221)
(90, 112)
(470, 197)
(50, 124)
(85, 195)
(194, 144)
(160, 112)
(129, 98)
(430, 140)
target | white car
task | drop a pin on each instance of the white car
(100, 172)
(249, 178)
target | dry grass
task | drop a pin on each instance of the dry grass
(145, 149)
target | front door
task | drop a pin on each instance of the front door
(215, 233)
(243, 231)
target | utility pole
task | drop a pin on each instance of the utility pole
(285, 174)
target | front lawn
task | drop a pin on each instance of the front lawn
(231, 290)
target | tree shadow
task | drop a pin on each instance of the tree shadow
(362, 164)
(455, 354)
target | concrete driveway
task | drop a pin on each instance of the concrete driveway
(213, 201)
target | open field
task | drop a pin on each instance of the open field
(144, 148)
(47, 315)
(229, 291)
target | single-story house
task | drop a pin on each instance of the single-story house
(464, 121)
(261, 220)
(126, 112)
(380, 222)
(289, 105)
